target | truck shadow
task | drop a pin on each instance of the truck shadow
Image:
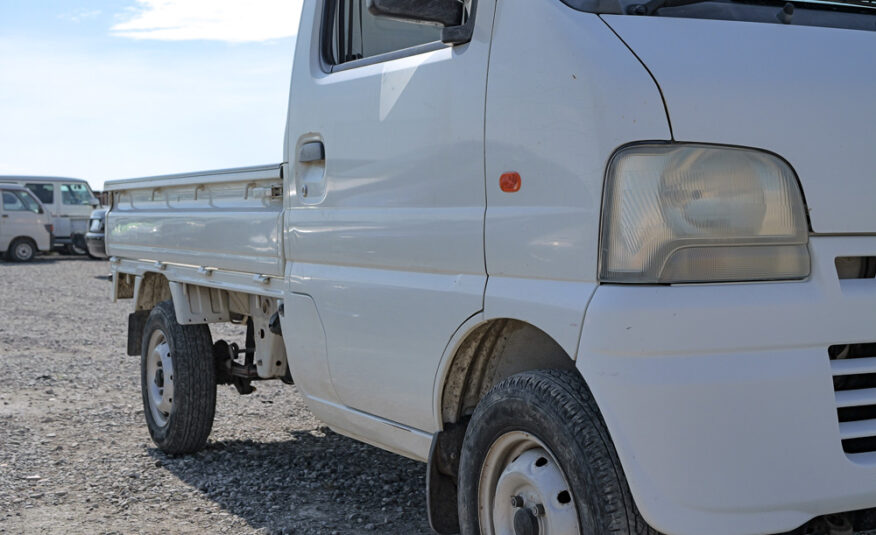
(317, 481)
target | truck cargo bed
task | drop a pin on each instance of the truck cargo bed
(228, 219)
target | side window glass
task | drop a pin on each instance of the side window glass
(11, 202)
(44, 192)
(75, 194)
(358, 34)
(29, 202)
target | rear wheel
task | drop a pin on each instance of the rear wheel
(538, 460)
(21, 250)
(178, 381)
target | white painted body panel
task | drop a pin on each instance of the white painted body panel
(224, 219)
(720, 401)
(802, 92)
(555, 116)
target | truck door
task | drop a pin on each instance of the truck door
(385, 221)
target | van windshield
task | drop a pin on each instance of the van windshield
(75, 194)
(20, 201)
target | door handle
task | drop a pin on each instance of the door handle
(313, 151)
(4, 216)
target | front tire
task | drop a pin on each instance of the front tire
(21, 250)
(178, 381)
(75, 250)
(538, 459)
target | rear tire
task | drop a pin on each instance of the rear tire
(178, 381)
(537, 458)
(21, 250)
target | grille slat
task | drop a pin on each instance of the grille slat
(856, 398)
(853, 366)
(859, 429)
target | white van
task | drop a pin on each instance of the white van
(69, 201)
(25, 227)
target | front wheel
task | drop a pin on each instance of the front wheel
(178, 381)
(21, 250)
(537, 459)
(75, 250)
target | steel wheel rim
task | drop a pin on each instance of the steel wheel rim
(159, 377)
(23, 251)
(523, 490)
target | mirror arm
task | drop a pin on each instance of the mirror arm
(458, 35)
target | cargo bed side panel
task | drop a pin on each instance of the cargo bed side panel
(228, 220)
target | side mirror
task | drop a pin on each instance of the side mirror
(441, 12)
(446, 13)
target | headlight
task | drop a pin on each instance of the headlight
(698, 213)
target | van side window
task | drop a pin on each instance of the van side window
(44, 192)
(357, 34)
(75, 194)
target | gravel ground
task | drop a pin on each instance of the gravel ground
(75, 456)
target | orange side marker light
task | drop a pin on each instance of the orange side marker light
(510, 182)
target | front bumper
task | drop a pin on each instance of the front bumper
(96, 244)
(720, 398)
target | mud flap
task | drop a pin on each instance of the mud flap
(136, 324)
(441, 478)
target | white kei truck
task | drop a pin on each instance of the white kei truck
(607, 266)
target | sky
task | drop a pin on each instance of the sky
(105, 89)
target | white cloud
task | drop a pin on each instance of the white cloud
(81, 14)
(217, 20)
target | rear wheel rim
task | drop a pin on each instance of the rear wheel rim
(159, 377)
(23, 251)
(523, 490)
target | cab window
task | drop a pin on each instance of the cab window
(44, 192)
(75, 194)
(357, 34)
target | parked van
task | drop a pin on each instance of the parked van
(25, 225)
(69, 201)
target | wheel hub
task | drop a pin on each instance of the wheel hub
(530, 495)
(525, 523)
(22, 251)
(159, 367)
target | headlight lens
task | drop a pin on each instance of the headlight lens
(699, 213)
